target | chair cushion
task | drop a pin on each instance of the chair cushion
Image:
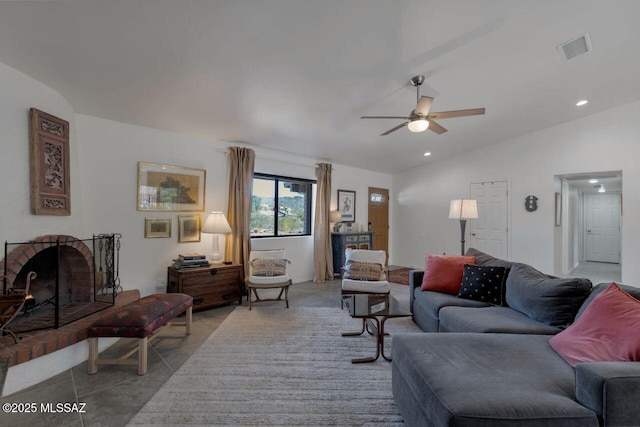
(362, 255)
(269, 280)
(362, 271)
(376, 287)
(269, 267)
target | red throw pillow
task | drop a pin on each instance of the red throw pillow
(443, 273)
(607, 330)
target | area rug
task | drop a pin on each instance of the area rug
(275, 366)
(399, 275)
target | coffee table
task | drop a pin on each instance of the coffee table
(374, 310)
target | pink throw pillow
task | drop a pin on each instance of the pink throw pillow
(607, 330)
(443, 273)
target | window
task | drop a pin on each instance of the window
(280, 206)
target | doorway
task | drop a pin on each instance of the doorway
(379, 218)
(588, 239)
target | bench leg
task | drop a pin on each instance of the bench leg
(142, 356)
(93, 355)
(188, 321)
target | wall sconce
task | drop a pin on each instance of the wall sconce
(216, 224)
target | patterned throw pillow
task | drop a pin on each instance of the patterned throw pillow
(269, 267)
(482, 283)
(355, 270)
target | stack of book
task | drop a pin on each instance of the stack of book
(191, 260)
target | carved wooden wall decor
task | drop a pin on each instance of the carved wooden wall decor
(49, 164)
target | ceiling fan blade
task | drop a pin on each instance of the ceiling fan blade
(394, 129)
(456, 113)
(423, 107)
(385, 117)
(436, 127)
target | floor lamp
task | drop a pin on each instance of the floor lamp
(463, 209)
(216, 224)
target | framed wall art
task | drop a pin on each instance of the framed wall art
(188, 228)
(157, 228)
(170, 188)
(49, 164)
(347, 205)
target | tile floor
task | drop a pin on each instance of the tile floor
(598, 272)
(116, 393)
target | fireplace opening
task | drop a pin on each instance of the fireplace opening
(73, 279)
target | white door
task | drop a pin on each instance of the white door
(602, 212)
(489, 232)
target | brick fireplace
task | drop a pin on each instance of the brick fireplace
(76, 278)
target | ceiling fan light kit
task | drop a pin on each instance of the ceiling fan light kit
(419, 125)
(420, 119)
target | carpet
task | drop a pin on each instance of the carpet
(275, 366)
(399, 275)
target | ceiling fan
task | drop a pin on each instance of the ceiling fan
(420, 119)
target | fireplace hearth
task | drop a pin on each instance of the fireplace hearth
(74, 278)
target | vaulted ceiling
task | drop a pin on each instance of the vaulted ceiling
(296, 75)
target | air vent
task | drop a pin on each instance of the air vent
(575, 47)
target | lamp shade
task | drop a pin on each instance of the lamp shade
(335, 216)
(463, 209)
(216, 223)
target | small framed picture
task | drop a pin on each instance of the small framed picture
(347, 205)
(157, 228)
(188, 228)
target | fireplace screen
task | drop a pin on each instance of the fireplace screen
(55, 280)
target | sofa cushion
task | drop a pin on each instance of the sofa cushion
(607, 331)
(484, 380)
(550, 300)
(481, 257)
(482, 283)
(427, 306)
(443, 273)
(595, 291)
(491, 319)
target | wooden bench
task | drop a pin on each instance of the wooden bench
(141, 319)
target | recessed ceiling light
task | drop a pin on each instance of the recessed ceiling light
(427, 154)
(593, 181)
(601, 189)
(581, 103)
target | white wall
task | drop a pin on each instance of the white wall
(606, 141)
(19, 93)
(104, 158)
(300, 249)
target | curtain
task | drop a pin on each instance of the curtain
(322, 254)
(238, 243)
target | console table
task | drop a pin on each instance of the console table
(210, 286)
(341, 241)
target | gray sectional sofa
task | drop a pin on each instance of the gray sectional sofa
(485, 365)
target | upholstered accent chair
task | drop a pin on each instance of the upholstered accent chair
(363, 272)
(268, 270)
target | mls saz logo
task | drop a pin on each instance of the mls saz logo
(531, 203)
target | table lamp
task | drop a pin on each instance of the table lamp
(216, 224)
